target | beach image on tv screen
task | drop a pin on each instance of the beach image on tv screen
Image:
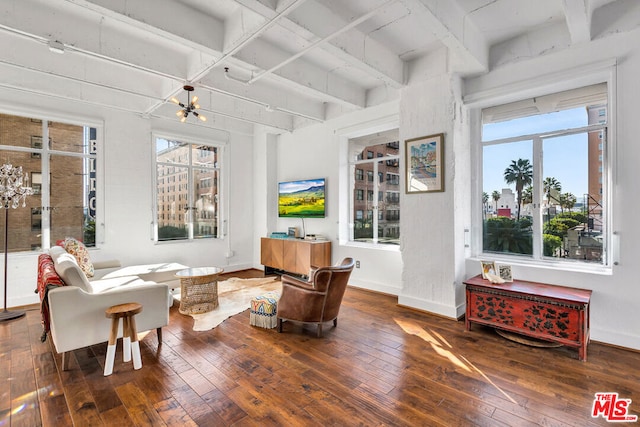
(301, 198)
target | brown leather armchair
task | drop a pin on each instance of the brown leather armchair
(317, 300)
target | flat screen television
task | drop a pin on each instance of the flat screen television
(301, 199)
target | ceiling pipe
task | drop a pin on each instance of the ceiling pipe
(325, 39)
(257, 33)
(158, 100)
(267, 106)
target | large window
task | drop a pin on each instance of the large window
(62, 173)
(544, 177)
(187, 183)
(375, 156)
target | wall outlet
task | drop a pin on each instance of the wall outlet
(357, 264)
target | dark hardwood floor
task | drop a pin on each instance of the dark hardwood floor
(383, 365)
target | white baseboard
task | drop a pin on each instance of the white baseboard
(451, 312)
(376, 287)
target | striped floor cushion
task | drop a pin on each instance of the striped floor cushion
(264, 310)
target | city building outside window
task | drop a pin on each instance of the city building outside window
(543, 178)
(190, 210)
(378, 155)
(62, 174)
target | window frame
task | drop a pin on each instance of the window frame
(220, 169)
(603, 72)
(44, 153)
(376, 196)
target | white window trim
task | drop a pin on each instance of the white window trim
(222, 172)
(80, 121)
(374, 200)
(600, 72)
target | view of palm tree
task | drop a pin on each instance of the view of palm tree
(520, 173)
(496, 196)
(562, 213)
(506, 234)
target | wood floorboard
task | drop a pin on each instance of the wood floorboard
(384, 365)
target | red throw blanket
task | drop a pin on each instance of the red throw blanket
(47, 279)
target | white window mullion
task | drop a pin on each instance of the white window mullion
(537, 198)
(45, 191)
(191, 203)
(374, 206)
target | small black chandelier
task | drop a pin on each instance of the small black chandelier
(191, 106)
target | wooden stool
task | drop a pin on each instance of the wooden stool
(130, 342)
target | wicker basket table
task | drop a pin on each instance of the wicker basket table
(198, 289)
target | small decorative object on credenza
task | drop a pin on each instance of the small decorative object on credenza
(490, 272)
(14, 188)
(504, 271)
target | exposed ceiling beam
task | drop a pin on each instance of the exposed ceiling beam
(303, 76)
(578, 16)
(353, 47)
(450, 25)
(266, 96)
(193, 29)
(321, 84)
(248, 37)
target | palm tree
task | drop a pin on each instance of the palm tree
(551, 184)
(520, 173)
(496, 196)
(527, 195)
(567, 200)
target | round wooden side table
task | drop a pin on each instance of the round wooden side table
(198, 289)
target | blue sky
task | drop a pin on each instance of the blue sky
(293, 186)
(565, 158)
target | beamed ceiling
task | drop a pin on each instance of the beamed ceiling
(290, 63)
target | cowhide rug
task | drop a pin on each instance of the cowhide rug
(234, 296)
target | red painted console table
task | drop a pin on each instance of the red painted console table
(547, 312)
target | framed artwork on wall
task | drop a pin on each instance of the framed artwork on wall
(424, 161)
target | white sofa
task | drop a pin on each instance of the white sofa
(77, 311)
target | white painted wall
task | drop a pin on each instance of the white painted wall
(320, 151)
(432, 225)
(128, 194)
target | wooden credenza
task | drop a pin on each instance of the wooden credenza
(294, 255)
(548, 312)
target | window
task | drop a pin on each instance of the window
(378, 155)
(189, 210)
(63, 203)
(543, 185)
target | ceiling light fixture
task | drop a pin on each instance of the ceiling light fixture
(191, 106)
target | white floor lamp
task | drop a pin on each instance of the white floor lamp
(13, 189)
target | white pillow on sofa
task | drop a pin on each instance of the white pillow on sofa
(68, 269)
